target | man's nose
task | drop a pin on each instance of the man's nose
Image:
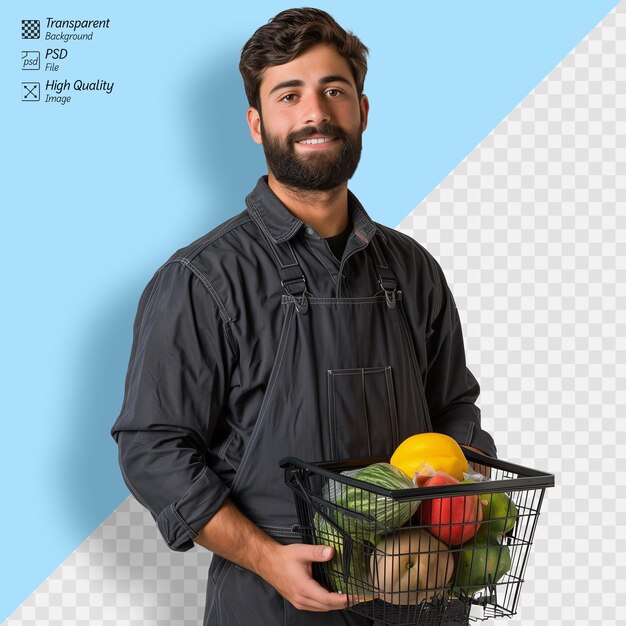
(316, 109)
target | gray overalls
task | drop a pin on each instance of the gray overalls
(331, 395)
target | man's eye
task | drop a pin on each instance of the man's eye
(290, 97)
(333, 93)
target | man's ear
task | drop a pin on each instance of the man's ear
(254, 124)
(364, 105)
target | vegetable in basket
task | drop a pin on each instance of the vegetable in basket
(453, 519)
(499, 515)
(410, 566)
(374, 514)
(437, 450)
(479, 565)
(358, 573)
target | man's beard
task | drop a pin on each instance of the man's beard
(317, 171)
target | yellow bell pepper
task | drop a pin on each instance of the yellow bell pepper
(441, 452)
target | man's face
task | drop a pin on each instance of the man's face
(311, 120)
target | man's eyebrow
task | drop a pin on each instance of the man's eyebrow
(333, 78)
(286, 84)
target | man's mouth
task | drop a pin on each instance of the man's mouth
(312, 142)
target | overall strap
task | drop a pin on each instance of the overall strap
(386, 278)
(291, 275)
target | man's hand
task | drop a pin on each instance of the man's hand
(485, 470)
(289, 571)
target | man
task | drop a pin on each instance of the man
(298, 328)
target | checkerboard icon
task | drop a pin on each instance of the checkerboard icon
(30, 29)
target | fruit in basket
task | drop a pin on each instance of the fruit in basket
(437, 450)
(453, 519)
(327, 534)
(479, 565)
(368, 513)
(410, 566)
(499, 515)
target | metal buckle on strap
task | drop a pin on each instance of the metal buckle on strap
(296, 288)
(389, 287)
(386, 278)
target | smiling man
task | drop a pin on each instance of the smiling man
(297, 328)
(311, 130)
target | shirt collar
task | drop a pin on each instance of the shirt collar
(281, 225)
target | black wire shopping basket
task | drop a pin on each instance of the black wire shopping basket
(425, 554)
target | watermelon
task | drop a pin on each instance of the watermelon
(374, 514)
(358, 571)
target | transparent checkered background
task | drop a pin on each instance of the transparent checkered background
(531, 232)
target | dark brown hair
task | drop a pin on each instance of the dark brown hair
(289, 34)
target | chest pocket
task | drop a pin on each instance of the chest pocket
(362, 414)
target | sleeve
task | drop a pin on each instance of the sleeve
(175, 387)
(451, 389)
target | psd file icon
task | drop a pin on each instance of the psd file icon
(30, 29)
(30, 59)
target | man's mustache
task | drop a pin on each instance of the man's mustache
(323, 129)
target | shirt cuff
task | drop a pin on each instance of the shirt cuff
(181, 521)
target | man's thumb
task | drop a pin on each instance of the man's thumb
(322, 553)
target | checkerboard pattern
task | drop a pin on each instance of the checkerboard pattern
(122, 574)
(30, 29)
(531, 232)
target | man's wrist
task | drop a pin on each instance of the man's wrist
(473, 449)
(231, 535)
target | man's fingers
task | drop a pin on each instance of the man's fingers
(313, 597)
(317, 554)
(322, 553)
(337, 601)
(294, 582)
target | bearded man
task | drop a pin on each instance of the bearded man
(298, 328)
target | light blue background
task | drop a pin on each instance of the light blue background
(96, 194)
